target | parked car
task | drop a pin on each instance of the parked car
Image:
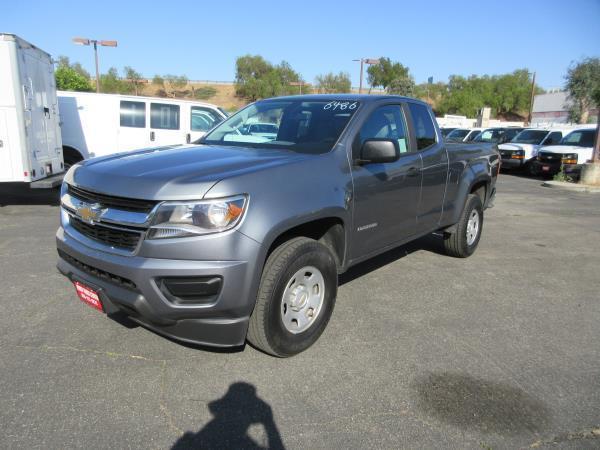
(103, 124)
(231, 239)
(497, 135)
(462, 134)
(523, 148)
(446, 130)
(574, 149)
(30, 143)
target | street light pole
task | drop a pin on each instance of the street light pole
(95, 42)
(364, 61)
(97, 70)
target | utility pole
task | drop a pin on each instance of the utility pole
(532, 97)
(86, 41)
(596, 152)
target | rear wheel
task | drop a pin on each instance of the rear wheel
(463, 240)
(296, 298)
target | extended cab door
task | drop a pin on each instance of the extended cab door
(386, 195)
(434, 156)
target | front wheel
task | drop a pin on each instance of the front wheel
(295, 299)
(463, 241)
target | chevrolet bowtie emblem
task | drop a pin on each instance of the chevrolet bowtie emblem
(90, 213)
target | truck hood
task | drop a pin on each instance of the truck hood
(530, 149)
(565, 149)
(173, 173)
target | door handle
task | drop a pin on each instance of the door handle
(152, 135)
(188, 138)
(413, 172)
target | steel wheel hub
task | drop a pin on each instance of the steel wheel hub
(302, 299)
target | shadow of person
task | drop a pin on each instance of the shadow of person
(234, 415)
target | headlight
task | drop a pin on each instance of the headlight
(179, 219)
(569, 158)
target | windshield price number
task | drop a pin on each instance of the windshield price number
(340, 106)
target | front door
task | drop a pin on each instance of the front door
(386, 195)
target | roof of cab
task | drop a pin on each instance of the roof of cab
(364, 98)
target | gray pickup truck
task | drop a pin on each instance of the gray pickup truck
(242, 235)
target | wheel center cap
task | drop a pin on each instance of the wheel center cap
(299, 298)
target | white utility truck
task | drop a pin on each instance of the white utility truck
(30, 142)
(101, 124)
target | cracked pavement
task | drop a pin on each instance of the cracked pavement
(499, 350)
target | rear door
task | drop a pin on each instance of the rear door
(134, 131)
(386, 195)
(6, 165)
(165, 124)
(435, 166)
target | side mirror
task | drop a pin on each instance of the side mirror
(375, 151)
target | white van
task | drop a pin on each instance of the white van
(30, 144)
(101, 124)
(523, 148)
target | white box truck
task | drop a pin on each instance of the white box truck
(101, 124)
(30, 142)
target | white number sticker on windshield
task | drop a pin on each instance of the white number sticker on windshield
(340, 106)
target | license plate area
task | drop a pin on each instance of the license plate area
(545, 168)
(88, 296)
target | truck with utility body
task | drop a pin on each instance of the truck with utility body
(30, 140)
(242, 236)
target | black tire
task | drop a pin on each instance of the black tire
(267, 331)
(455, 242)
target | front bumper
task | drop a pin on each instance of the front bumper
(545, 168)
(512, 163)
(129, 284)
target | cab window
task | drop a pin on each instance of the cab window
(164, 116)
(424, 129)
(203, 119)
(133, 114)
(386, 122)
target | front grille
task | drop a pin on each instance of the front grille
(109, 201)
(549, 157)
(98, 273)
(107, 235)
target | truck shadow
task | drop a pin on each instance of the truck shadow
(21, 194)
(474, 403)
(236, 417)
(432, 243)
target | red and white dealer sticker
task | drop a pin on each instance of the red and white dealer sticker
(88, 295)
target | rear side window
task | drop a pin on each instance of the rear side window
(203, 119)
(424, 129)
(133, 114)
(164, 116)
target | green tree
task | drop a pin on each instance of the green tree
(256, 78)
(401, 86)
(333, 83)
(205, 92)
(71, 77)
(111, 83)
(386, 71)
(583, 85)
(134, 79)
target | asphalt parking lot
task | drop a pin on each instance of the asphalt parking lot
(500, 350)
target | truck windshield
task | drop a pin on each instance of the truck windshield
(580, 138)
(303, 126)
(459, 133)
(530, 137)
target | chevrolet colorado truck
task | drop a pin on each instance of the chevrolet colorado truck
(242, 236)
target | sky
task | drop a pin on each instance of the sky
(202, 39)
